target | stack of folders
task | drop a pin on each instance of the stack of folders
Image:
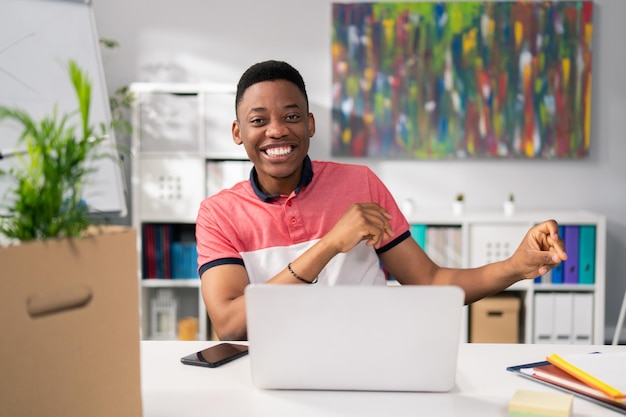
(598, 377)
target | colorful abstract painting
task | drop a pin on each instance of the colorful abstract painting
(441, 80)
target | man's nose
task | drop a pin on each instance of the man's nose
(276, 129)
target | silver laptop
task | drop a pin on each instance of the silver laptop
(379, 338)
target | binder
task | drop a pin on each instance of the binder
(572, 248)
(557, 271)
(603, 371)
(543, 318)
(149, 252)
(562, 332)
(435, 246)
(418, 231)
(587, 254)
(582, 322)
(453, 247)
(545, 278)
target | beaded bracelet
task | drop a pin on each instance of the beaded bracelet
(299, 277)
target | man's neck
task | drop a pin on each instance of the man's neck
(279, 186)
(267, 187)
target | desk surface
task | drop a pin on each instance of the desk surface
(483, 387)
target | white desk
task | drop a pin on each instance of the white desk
(483, 389)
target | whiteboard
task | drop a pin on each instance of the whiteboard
(37, 40)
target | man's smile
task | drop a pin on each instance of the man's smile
(278, 151)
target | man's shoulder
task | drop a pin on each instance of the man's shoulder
(238, 191)
(351, 179)
(339, 167)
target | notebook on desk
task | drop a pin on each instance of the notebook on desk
(354, 337)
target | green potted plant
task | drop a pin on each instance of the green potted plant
(46, 201)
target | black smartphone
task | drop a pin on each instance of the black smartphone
(216, 355)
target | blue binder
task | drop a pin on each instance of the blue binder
(557, 272)
(418, 231)
(587, 255)
(572, 247)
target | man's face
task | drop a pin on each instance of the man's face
(275, 127)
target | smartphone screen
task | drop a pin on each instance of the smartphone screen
(216, 355)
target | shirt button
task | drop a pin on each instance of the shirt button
(293, 220)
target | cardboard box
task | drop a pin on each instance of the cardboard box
(495, 320)
(69, 320)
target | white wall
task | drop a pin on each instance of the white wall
(196, 40)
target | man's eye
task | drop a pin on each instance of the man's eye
(256, 121)
(293, 117)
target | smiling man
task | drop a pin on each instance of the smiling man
(305, 222)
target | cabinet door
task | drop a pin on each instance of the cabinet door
(493, 242)
(543, 326)
(171, 190)
(168, 122)
(582, 318)
(219, 114)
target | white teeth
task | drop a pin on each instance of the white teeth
(281, 151)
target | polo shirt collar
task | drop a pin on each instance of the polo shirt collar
(305, 179)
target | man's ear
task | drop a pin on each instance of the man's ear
(236, 131)
(311, 125)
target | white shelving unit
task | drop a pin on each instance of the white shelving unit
(492, 236)
(183, 151)
(181, 139)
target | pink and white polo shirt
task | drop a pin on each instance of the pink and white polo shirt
(242, 225)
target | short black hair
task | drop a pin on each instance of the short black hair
(269, 71)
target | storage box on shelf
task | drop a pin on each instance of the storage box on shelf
(182, 152)
(495, 320)
(566, 305)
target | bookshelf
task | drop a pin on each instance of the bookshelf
(551, 310)
(182, 152)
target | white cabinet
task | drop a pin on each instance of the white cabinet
(553, 309)
(182, 151)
